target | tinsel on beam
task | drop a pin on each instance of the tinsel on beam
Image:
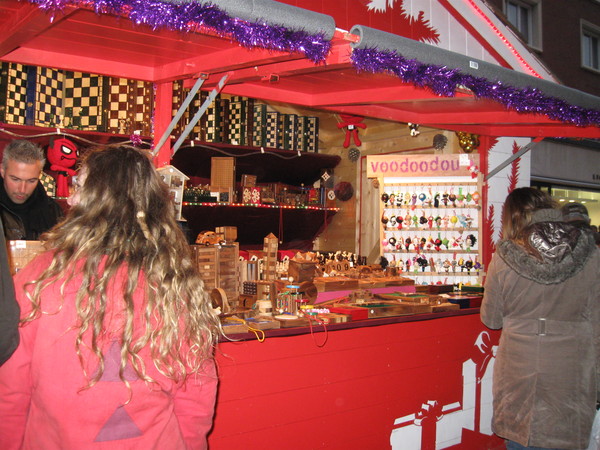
(192, 16)
(444, 81)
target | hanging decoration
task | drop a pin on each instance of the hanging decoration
(473, 169)
(191, 16)
(468, 141)
(414, 129)
(439, 141)
(62, 155)
(351, 123)
(343, 191)
(353, 154)
(444, 81)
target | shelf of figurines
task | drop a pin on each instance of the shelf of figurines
(430, 195)
(428, 270)
(428, 220)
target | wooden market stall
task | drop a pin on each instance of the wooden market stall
(409, 382)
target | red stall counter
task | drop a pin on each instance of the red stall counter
(399, 382)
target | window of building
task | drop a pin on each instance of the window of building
(590, 46)
(524, 15)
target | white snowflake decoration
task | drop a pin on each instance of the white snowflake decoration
(380, 5)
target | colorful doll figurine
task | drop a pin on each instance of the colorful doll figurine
(470, 241)
(445, 198)
(422, 262)
(384, 221)
(469, 265)
(463, 221)
(447, 265)
(452, 197)
(62, 155)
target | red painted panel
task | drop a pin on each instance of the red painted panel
(290, 393)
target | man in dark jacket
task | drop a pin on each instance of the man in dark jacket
(9, 309)
(26, 209)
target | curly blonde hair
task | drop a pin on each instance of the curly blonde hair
(125, 221)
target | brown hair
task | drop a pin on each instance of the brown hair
(518, 209)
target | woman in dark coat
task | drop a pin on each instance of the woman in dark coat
(543, 290)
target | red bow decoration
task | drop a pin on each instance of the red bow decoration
(352, 123)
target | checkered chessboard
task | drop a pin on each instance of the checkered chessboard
(130, 106)
(83, 101)
(178, 97)
(143, 106)
(289, 131)
(118, 102)
(309, 134)
(48, 183)
(237, 123)
(216, 121)
(16, 95)
(272, 133)
(49, 97)
(259, 125)
(197, 133)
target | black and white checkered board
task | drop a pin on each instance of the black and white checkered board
(118, 101)
(16, 96)
(259, 125)
(237, 123)
(289, 131)
(272, 129)
(48, 183)
(309, 137)
(143, 106)
(198, 132)
(49, 97)
(83, 101)
(178, 97)
(216, 125)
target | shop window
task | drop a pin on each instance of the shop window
(590, 46)
(524, 15)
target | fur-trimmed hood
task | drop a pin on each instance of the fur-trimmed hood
(557, 250)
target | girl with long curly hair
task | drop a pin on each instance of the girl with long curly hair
(117, 331)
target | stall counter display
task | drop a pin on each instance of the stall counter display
(431, 229)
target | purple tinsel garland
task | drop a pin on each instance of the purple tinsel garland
(444, 82)
(190, 16)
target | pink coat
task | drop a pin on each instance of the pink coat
(44, 403)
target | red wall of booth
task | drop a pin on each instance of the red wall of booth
(344, 389)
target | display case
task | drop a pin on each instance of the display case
(430, 226)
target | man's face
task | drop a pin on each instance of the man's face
(20, 179)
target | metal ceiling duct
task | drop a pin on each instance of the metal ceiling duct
(273, 13)
(371, 38)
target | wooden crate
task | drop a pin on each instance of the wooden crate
(218, 267)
